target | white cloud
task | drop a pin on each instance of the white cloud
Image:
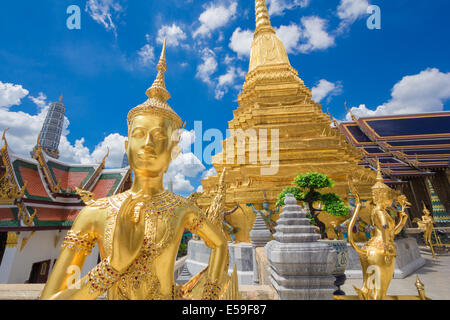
(102, 12)
(349, 11)
(200, 188)
(290, 36)
(227, 80)
(310, 35)
(314, 32)
(11, 94)
(40, 100)
(147, 55)
(24, 129)
(277, 7)
(208, 67)
(187, 138)
(174, 34)
(241, 42)
(352, 9)
(208, 173)
(324, 89)
(426, 91)
(214, 17)
(186, 165)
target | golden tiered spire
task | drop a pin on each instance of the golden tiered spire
(262, 18)
(158, 89)
(267, 48)
(157, 96)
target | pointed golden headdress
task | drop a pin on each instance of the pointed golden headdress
(380, 184)
(157, 97)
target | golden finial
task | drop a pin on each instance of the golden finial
(4, 139)
(222, 179)
(157, 96)
(38, 142)
(158, 89)
(379, 184)
(350, 112)
(262, 18)
(425, 209)
(420, 289)
(106, 156)
(336, 124)
(61, 98)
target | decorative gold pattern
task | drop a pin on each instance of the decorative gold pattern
(25, 240)
(9, 190)
(211, 291)
(39, 156)
(159, 213)
(87, 196)
(12, 239)
(80, 242)
(102, 277)
(24, 215)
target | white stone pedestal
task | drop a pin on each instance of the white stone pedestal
(240, 253)
(408, 259)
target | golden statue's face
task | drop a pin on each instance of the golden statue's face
(382, 197)
(149, 145)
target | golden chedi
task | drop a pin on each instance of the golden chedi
(139, 231)
(274, 97)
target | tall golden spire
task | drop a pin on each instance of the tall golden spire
(262, 18)
(267, 48)
(158, 89)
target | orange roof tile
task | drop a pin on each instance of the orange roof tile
(52, 214)
(70, 179)
(103, 187)
(34, 182)
(6, 214)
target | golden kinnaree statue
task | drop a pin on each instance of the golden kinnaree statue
(138, 232)
(426, 224)
(378, 255)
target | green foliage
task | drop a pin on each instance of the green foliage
(182, 250)
(311, 219)
(313, 180)
(289, 190)
(334, 205)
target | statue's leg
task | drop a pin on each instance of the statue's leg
(364, 265)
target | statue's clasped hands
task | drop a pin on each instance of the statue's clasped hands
(129, 232)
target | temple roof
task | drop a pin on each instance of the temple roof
(406, 145)
(56, 209)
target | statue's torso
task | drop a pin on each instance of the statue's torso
(150, 276)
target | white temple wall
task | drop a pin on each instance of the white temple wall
(16, 265)
(40, 247)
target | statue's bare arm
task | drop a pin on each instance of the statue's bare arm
(60, 285)
(213, 237)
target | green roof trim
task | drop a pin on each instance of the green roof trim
(19, 163)
(110, 176)
(54, 165)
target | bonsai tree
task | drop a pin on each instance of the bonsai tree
(306, 188)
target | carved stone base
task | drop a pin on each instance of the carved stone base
(240, 253)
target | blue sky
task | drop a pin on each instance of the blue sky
(104, 69)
